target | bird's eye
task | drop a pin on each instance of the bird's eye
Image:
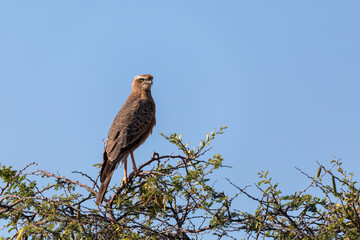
(141, 79)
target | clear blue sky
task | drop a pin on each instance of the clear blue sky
(282, 75)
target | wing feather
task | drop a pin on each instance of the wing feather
(130, 124)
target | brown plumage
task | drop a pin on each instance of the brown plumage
(130, 128)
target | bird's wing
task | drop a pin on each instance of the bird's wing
(130, 124)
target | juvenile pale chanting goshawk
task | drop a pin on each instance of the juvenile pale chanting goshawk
(130, 128)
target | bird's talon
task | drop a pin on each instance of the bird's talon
(124, 181)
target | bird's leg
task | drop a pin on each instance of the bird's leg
(133, 161)
(125, 172)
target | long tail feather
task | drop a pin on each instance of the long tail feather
(103, 187)
(106, 173)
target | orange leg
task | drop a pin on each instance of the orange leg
(125, 171)
(133, 161)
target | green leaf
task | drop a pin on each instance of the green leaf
(318, 172)
(334, 184)
(21, 233)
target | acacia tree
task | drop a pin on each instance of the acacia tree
(174, 197)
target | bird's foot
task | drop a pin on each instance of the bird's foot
(124, 181)
(136, 173)
(139, 173)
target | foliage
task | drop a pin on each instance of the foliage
(331, 213)
(174, 197)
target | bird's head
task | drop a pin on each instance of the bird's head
(142, 82)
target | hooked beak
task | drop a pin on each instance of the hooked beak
(149, 81)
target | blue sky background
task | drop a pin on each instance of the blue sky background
(282, 75)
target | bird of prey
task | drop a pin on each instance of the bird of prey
(130, 128)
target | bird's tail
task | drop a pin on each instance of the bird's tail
(106, 173)
(103, 187)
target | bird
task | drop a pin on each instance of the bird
(131, 127)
